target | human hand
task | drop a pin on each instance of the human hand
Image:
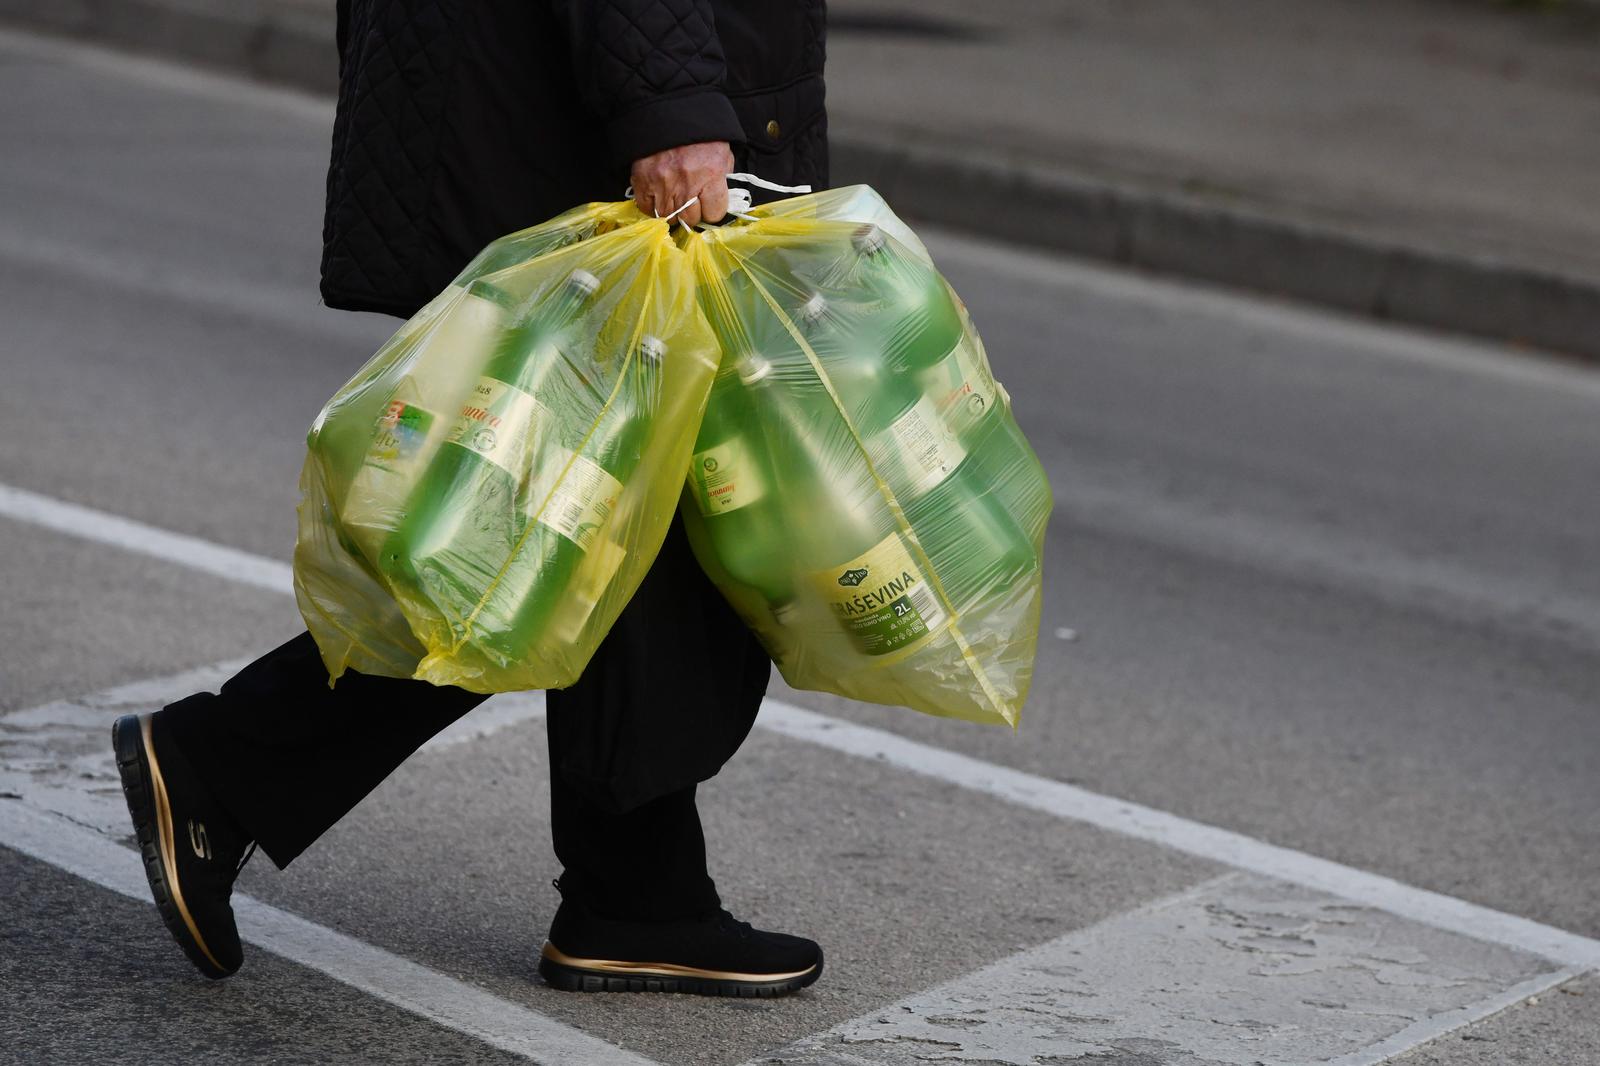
(666, 181)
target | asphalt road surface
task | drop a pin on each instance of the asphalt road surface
(1308, 774)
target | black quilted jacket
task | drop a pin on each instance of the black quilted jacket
(461, 120)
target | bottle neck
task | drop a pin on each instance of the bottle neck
(530, 349)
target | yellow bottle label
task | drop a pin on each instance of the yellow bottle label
(920, 447)
(881, 598)
(725, 477)
(499, 422)
(572, 494)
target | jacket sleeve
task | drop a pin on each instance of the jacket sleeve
(652, 70)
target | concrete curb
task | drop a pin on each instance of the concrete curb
(1044, 207)
(1188, 236)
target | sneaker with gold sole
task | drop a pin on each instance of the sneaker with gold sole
(192, 850)
(713, 955)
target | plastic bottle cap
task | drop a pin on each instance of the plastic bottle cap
(652, 349)
(814, 308)
(583, 281)
(752, 368)
(869, 238)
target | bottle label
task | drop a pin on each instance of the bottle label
(726, 477)
(962, 386)
(881, 598)
(498, 421)
(402, 431)
(577, 505)
(921, 446)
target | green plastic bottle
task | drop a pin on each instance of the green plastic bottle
(402, 437)
(947, 362)
(915, 323)
(838, 547)
(967, 530)
(733, 485)
(566, 556)
(925, 335)
(462, 518)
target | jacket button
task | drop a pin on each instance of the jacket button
(773, 129)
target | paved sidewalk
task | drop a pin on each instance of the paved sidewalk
(1432, 161)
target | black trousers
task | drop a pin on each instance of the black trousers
(668, 697)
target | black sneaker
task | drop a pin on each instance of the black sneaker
(192, 851)
(711, 956)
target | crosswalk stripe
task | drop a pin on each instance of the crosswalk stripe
(412, 987)
(1181, 834)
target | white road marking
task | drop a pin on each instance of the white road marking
(1181, 834)
(502, 712)
(1569, 951)
(104, 528)
(55, 759)
(405, 984)
(92, 709)
(1438, 1025)
(1241, 969)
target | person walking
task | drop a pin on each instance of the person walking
(459, 121)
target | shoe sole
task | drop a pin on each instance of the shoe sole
(569, 974)
(146, 793)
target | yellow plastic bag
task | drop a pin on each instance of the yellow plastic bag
(860, 204)
(859, 490)
(481, 500)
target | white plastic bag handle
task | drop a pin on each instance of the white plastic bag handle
(739, 200)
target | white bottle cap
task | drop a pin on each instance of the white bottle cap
(814, 308)
(752, 368)
(869, 238)
(652, 349)
(583, 281)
